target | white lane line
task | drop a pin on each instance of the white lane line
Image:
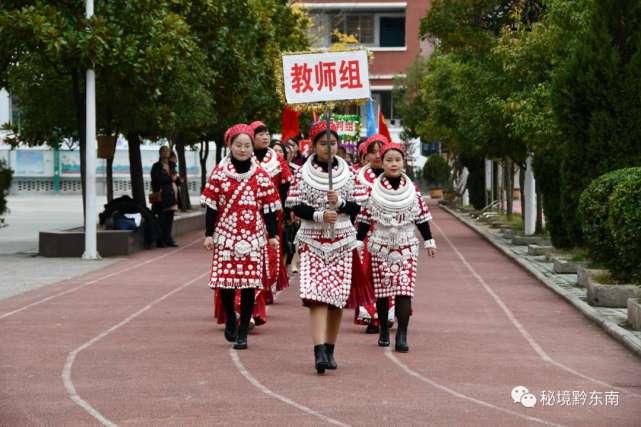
(250, 377)
(94, 281)
(66, 372)
(520, 327)
(268, 392)
(390, 355)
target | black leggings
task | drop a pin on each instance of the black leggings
(403, 310)
(247, 299)
(289, 259)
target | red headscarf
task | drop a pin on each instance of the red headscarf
(390, 146)
(373, 138)
(256, 125)
(235, 130)
(320, 127)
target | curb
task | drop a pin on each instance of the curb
(610, 327)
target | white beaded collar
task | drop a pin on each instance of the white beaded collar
(230, 170)
(270, 163)
(319, 179)
(394, 200)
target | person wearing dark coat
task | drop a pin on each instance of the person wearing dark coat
(164, 179)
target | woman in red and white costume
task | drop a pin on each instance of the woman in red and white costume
(241, 203)
(395, 205)
(371, 150)
(281, 176)
(331, 276)
(259, 315)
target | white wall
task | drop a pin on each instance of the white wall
(5, 107)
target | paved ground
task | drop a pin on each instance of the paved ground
(566, 281)
(32, 214)
(134, 344)
(25, 272)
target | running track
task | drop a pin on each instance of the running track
(135, 344)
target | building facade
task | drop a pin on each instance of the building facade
(387, 28)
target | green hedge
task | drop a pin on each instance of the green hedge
(6, 175)
(594, 213)
(436, 170)
(596, 99)
(625, 226)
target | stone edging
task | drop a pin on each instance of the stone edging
(614, 330)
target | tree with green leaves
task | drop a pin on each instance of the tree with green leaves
(596, 98)
(138, 40)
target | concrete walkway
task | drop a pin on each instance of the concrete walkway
(135, 344)
(32, 214)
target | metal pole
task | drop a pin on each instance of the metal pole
(328, 117)
(56, 170)
(529, 210)
(91, 246)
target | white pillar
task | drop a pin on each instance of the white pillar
(466, 198)
(91, 244)
(530, 198)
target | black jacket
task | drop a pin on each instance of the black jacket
(161, 181)
(126, 205)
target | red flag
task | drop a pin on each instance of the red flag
(314, 117)
(290, 123)
(382, 126)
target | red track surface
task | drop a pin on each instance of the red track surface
(170, 365)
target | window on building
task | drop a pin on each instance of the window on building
(360, 26)
(392, 31)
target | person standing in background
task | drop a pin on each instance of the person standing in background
(164, 180)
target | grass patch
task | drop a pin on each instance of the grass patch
(580, 257)
(544, 234)
(596, 265)
(607, 279)
(572, 251)
(517, 220)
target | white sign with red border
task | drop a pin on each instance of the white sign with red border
(326, 76)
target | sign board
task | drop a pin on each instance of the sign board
(322, 79)
(30, 162)
(304, 147)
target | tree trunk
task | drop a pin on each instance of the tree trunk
(219, 150)
(203, 154)
(135, 168)
(522, 190)
(110, 180)
(508, 179)
(82, 133)
(184, 186)
(539, 212)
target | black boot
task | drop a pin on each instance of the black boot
(320, 352)
(160, 243)
(231, 327)
(241, 338)
(171, 243)
(401, 340)
(372, 329)
(383, 338)
(329, 350)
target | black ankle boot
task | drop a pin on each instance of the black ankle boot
(401, 341)
(241, 338)
(383, 338)
(231, 327)
(329, 350)
(320, 353)
(371, 329)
